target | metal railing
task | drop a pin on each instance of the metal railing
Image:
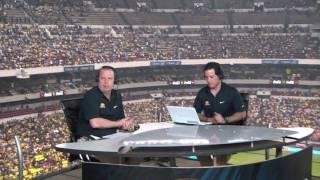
(19, 156)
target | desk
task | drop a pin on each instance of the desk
(171, 140)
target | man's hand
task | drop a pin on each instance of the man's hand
(204, 118)
(211, 119)
(219, 118)
(127, 123)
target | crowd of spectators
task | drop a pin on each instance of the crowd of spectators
(78, 82)
(280, 111)
(175, 4)
(72, 12)
(274, 111)
(8, 110)
(25, 110)
(289, 3)
(34, 46)
(40, 133)
(48, 14)
(42, 46)
(267, 3)
(245, 29)
(38, 136)
(189, 4)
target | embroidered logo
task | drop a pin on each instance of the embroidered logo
(206, 103)
(102, 105)
(221, 102)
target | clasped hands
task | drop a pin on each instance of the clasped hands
(216, 119)
(127, 123)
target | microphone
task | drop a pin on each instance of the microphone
(134, 128)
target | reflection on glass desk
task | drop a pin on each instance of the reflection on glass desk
(171, 140)
(184, 135)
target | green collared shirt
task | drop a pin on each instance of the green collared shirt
(96, 105)
(227, 102)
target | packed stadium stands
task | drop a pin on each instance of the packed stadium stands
(44, 33)
(33, 46)
(74, 83)
(37, 141)
(39, 138)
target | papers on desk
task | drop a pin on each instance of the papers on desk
(143, 128)
(153, 126)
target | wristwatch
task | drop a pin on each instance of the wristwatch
(226, 121)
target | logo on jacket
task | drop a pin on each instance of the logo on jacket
(102, 105)
(206, 103)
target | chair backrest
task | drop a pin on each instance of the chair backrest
(71, 109)
(245, 98)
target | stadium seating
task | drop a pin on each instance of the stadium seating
(47, 33)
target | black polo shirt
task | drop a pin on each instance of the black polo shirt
(227, 102)
(95, 105)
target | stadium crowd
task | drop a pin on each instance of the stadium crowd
(222, 4)
(39, 134)
(78, 82)
(281, 111)
(164, 4)
(54, 13)
(12, 111)
(274, 111)
(34, 46)
(26, 46)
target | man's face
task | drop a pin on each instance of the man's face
(106, 80)
(212, 79)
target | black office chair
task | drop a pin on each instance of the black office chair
(245, 98)
(71, 109)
